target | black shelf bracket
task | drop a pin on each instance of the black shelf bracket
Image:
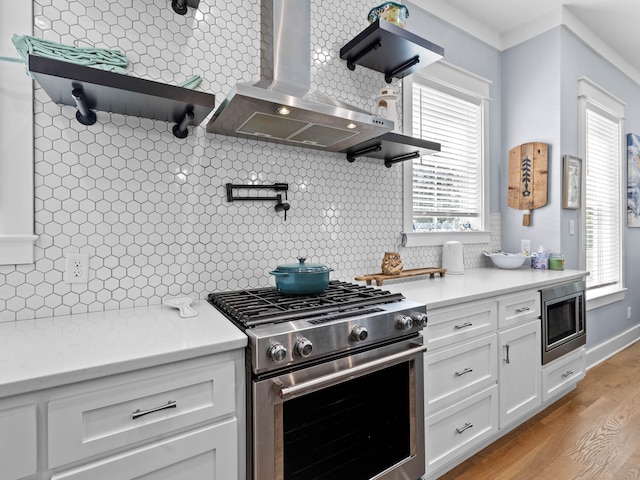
(84, 115)
(401, 158)
(351, 157)
(351, 63)
(180, 6)
(180, 129)
(388, 77)
(278, 187)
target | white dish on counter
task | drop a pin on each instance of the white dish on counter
(507, 260)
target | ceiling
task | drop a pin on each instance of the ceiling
(607, 25)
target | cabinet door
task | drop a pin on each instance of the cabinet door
(18, 442)
(205, 454)
(519, 371)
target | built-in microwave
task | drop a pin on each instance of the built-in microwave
(564, 326)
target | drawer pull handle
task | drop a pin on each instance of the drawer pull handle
(522, 310)
(466, 427)
(568, 373)
(140, 413)
(507, 361)
(462, 372)
(464, 325)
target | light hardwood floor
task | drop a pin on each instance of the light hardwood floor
(592, 433)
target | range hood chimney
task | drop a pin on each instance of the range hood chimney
(281, 107)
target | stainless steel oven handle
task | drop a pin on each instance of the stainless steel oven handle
(284, 391)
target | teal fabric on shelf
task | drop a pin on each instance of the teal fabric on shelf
(101, 58)
(191, 82)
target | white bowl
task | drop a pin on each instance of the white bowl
(507, 260)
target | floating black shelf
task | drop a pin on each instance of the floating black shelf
(392, 148)
(118, 93)
(389, 49)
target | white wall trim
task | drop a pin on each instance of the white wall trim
(16, 161)
(560, 16)
(604, 350)
(17, 249)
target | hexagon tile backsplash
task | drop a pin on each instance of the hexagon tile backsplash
(151, 209)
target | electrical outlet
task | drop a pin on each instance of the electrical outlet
(628, 313)
(76, 269)
(525, 246)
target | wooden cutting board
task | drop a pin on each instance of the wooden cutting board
(381, 277)
(528, 167)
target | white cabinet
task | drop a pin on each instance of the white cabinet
(519, 371)
(18, 441)
(141, 407)
(563, 373)
(460, 427)
(183, 417)
(450, 325)
(456, 373)
(206, 453)
(182, 420)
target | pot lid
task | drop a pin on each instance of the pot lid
(302, 267)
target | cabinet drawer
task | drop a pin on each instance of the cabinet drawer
(455, 373)
(450, 325)
(460, 427)
(563, 372)
(102, 419)
(209, 452)
(517, 308)
(18, 442)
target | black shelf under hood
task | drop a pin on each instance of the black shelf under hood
(392, 148)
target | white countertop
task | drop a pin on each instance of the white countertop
(48, 352)
(478, 283)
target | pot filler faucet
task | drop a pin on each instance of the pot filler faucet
(280, 205)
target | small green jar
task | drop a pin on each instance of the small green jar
(556, 261)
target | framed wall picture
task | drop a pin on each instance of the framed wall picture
(571, 182)
(633, 180)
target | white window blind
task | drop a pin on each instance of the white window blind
(447, 185)
(602, 198)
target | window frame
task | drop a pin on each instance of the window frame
(466, 85)
(590, 94)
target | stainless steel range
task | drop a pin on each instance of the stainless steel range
(334, 383)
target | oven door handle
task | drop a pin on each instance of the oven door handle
(284, 391)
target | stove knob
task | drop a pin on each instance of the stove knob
(419, 318)
(304, 347)
(404, 322)
(359, 333)
(277, 352)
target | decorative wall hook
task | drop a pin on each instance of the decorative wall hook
(280, 205)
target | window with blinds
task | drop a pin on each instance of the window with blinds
(447, 185)
(602, 198)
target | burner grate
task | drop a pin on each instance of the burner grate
(267, 305)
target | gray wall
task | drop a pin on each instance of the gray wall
(540, 103)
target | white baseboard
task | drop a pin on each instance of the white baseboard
(607, 349)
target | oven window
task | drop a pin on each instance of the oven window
(561, 320)
(353, 430)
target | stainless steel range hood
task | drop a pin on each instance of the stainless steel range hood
(281, 107)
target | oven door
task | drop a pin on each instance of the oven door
(358, 417)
